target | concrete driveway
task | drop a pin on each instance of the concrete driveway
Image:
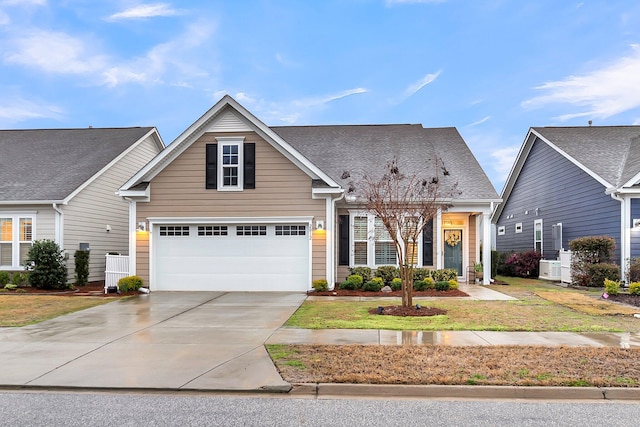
(165, 340)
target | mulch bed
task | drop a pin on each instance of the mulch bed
(626, 299)
(427, 293)
(93, 289)
(398, 310)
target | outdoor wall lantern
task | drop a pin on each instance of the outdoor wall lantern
(319, 224)
(142, 226)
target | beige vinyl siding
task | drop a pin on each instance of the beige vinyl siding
(282, 189)
(87, 215)
(473, 234)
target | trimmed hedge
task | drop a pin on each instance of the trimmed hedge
(130, 283)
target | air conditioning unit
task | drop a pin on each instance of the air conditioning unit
(550, 270)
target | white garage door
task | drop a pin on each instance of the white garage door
(234, 257)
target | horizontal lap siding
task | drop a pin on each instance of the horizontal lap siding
(96, 206)
(635, 233)
(563, 193)
(282, 189)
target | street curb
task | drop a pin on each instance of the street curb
(324, 390)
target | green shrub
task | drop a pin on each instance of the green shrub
(353, 282)
(421, 273)
(587, 251)
(443, 286)
(420, 285)
(612, 287)
(365, 272)
(4, 278)
(453, 284)
(634, 288)
(320, 285)
(396, 284)
(444, 274)
(495, 259)
(82, 267)
(598, 272)
(634, 270)
(11, 286)
(373, 285)
(45, 264)
(130, 283)
(387, 273)
(20, 279)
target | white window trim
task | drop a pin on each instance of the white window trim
(371, 242)
(502, 230)
(230, 141)
(535, 223)
(518, 227)
(15, 238)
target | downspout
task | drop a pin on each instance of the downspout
(624, 240)
(331, 238)
(59, 234)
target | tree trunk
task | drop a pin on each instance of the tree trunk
(406, 274)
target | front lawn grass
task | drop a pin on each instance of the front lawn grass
(26, 309)
(530, 312)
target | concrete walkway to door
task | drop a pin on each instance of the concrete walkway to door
(165, 340)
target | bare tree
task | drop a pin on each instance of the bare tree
(405, 204)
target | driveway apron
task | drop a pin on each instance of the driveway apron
(165, 340)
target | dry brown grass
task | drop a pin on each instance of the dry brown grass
(20, 310)
(587, 304)
(444, 365)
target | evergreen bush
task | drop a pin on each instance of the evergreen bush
(82, 267)
(46, 267)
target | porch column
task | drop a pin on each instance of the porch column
(486, 249)
(438, 242)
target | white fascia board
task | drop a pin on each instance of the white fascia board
(31, 202)
(321, 193)
(623, 190)
(523, 153)
(230, 220)
(132, 147)
(197, 129)
(138, 195)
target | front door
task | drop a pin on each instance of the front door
(453, 250)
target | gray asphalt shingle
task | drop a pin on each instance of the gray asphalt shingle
(362, 148)
(611, 152)
(49, 164)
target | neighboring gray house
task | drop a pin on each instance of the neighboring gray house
(61, 184)
(570, 182)
(233, 204)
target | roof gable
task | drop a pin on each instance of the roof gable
(49, 165)
(227, 115)
(609, 154)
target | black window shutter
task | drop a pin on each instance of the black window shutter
(343, 240)
(249, 165)
(211, 169)
(427, 244)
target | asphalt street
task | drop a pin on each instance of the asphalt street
(110, 409)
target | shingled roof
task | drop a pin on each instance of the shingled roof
(611, 152)
(363, 148)
(49, 164)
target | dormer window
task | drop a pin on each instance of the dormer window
(230, 164)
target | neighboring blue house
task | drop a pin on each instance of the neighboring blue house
(570, 182)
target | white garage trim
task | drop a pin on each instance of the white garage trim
(154, 222)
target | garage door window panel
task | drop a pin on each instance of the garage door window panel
(251, 230)
(174, 230)
(213, 230)
(291, 230)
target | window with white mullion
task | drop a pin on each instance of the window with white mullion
(16, 238)
(384, 248)
(360, 240)
(6, 241)
(230, 161)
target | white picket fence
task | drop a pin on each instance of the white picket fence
(117, 268)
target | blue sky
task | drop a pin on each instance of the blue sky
(490, 68)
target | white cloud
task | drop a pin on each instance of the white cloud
(479, 122)
(172, 62)
(17, 109)
(145, 11)
(504, 159)
(415, 87)
(289, 112)
(54, 52)
(605, 92)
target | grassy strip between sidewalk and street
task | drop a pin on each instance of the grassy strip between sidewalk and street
(444, 365)
(26, 309)
(541, 306)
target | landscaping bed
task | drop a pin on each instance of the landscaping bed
(93, 289)
(361, 293)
